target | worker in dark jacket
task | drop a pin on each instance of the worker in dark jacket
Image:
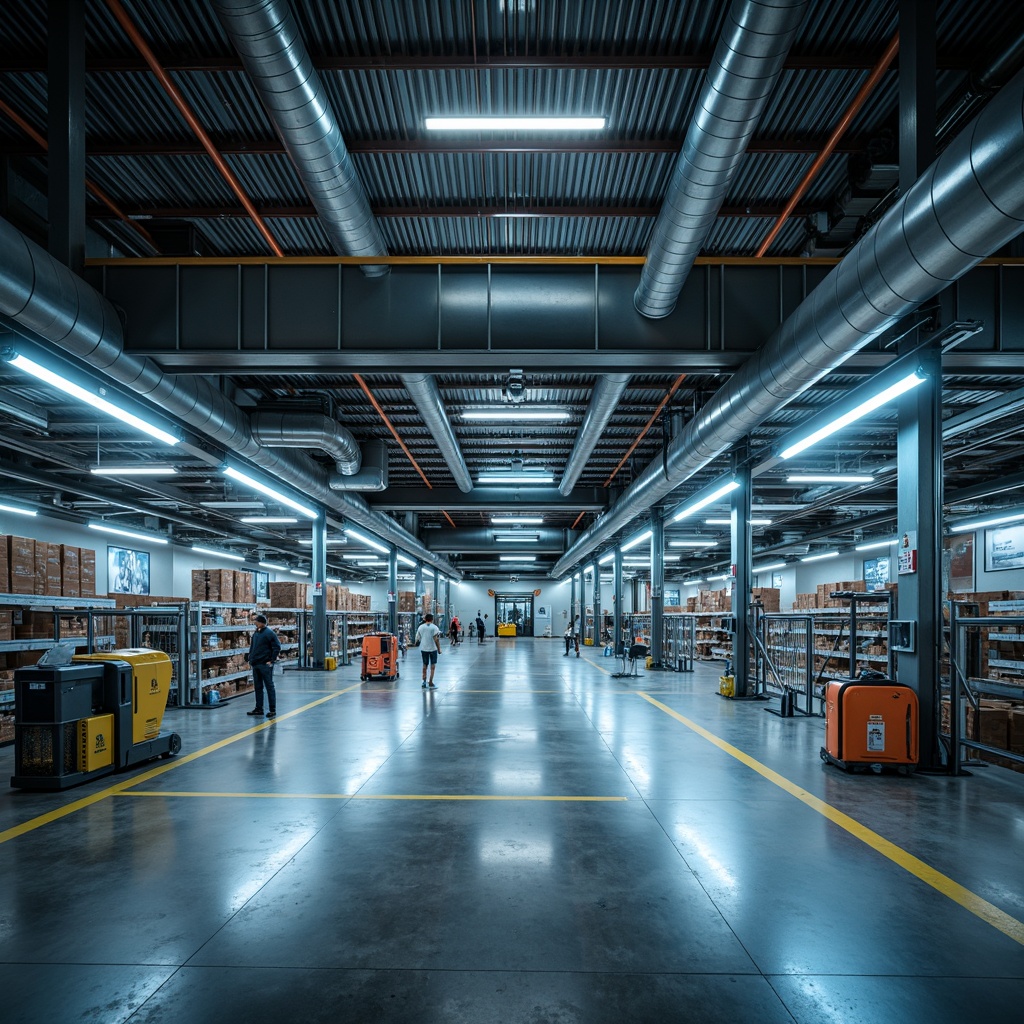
(264, 650)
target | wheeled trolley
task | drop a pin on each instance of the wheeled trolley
(870, 722)
(380, 656)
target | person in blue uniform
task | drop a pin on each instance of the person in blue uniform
(264, 650)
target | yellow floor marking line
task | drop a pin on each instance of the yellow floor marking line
(374, 796)
(118, 788)
(925, 872)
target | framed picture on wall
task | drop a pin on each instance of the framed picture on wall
(876, 572)
(127, 571)
(958, 563)
(671, 598)
(1004, 548)
(777, 580)
(261, 585)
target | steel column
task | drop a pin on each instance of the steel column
(657, 587)
(393, 591)
(598, 618)
(742, 572)
(319, 596)
(617, 598)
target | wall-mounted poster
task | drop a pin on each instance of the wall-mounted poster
(958, 563)
(1004, 548)
(876, 572)
(127, 571)
(261, 585)
(671, 598)
(777, 580)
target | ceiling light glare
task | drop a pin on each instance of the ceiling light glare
(693, 543)
(821, 557)
(976, 524)
(217, 554)
(299, 572)
(516, 415)
(268, 519)
(513, 123)
(870, 545)
(274, 565)
(636, 541)
(830, 478)
(517, 520)
(18, 511)
(493, 476)
(720, 576)
(728, 522)
(270, 492)
(517, 558)
(516, 538)
(769, 567)
(704, 502)
(605, 559)
(368, 541)
(103, 528)
(333, 542)
(75, 391)
(406, 560)
(333, 579)
(133, 471)
(693, 583)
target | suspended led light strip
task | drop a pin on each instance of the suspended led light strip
(268, 519)
(693, 583)
(872, 544)
(333, 579)
(976, 524)
(721, 576)
(728, 522)
(498, 477)
(514, 520)
(299, 572)
(363, 539)
(75, 391)
(768, 568)
(516, 415)
(103, 528)
(371, 561)
(133, 471)
(333, 542)
(517, 558)
(18, 511)
(818, 558)
(515, 538)
(270, 492)
(894, 391)
(693, 543)
(274, 565)
(704, 502)
(636, 541)
(217, 554)
(513, 124)
(406, 560)
(830, 478)
(605, 559)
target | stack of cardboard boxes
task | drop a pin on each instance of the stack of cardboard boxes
(222, 585)
(42, 569)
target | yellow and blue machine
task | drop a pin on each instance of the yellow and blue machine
(98, 714)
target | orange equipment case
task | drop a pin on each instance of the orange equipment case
(380, 656)
(870, 722)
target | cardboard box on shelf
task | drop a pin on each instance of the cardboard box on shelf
(87, 572)
(21, 557)
(289, 595)
(5, 566)
(39, 561)
(70, 570)
(53, 581)
(6, 624)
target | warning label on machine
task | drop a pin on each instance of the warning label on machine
(876, 732)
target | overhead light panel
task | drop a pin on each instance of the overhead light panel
(517, 558)
(869, 405)
(333, 579)
(517, 520)
(769, 567)
(519, 536)
(636, 541)
(233, 504)
(103, 528)
(270, 492)
(517, 415)
(75, 391)
(368, 541)
(513, 123)
(976, 524)
(493, 476)
(821, 557)
(274, 565)
(830, 478)
(693, 543)
(133, 471)
(332, 542)
(299, 572)
(405, 559)
(720, 576)
(268, 519)
(728, 522)
(217, 554)
(872, 544)
(18, 511)
(709, 499)
(605, 559)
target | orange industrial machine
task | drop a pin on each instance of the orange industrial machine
(380, 656)
(89, 715)
(870, 722)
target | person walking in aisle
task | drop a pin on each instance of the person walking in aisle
(264, 650)
(428, 640)
(479, 627)
(453, 630)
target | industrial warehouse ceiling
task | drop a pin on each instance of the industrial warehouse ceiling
(488, 205)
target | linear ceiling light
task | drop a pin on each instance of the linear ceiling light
(517, 558)
(728, 522)
(233, 504)
(493, 476)
(150, 538)
(693, 583)
(270, 492)
(520, 520)
(830, 478)
(363, 539)
(405, 559)
(636, 541)
(18, 511)
(75, 391)
(268, 519)
(975, 524)
(512, 538)
(217, 554)
(769, 567)
(887, 395)
(693, 543)
(818, 558)
(274, 565)
(704, 502)
(872, 544)
(516, 415)
(333, 579)
(513, 124)
(605, 559)
(299, 572)
(133, 471)
(720, 576)
(332, 542)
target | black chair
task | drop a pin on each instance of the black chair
(636, 652)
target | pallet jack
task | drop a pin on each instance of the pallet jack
(82, 716)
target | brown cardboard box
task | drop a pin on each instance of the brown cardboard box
(6, 624)
(87, 572)
(1016, 730)
(39, 572)
(5, 567)
(21, 556)
(993, 726)
(70, 571)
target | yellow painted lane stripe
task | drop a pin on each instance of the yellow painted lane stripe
(376, 796)
(970, 901)
(177, 762)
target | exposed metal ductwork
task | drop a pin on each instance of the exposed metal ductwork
(746, 63)
(481, 540)
(372, 476)
(426, 395)
(963, 208)
(294, 429)
(42, 295)
(608, 390)
(267, 39)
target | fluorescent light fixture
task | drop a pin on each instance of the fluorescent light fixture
(370, 561)
(514, 538)
(769, 567)
(406, 560)
(18, 511)
(517, 415)
(976, 524)
(728, 522)
(830, 478)
(693, 543)
(103, 528)
(895, 390)
(332, 542)
(693, 583)
(274, 565)
(513, 123)
(636, 541)
(520, 520)
(217, 554)
(363, 539)
(299, 572)
(75, 391)
(268, 519)
(517, 558)
(333, 579)
(819, 558)
(704, 502)
(589, 571)
(233, 504)
(605, 559)
(270, 492)
(133, 471)
(872, 544)
(492, 476)
(720, 576)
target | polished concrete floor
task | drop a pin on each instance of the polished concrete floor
(534, 842)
